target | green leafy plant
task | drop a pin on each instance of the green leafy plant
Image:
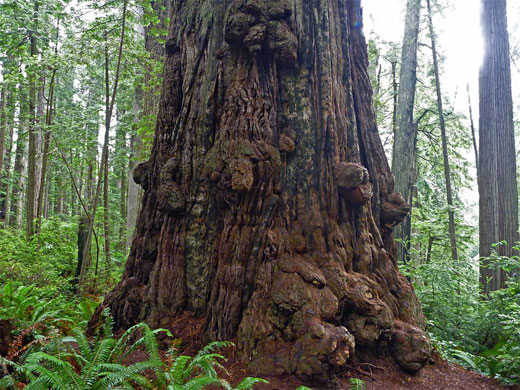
(357, 384)
(198, 372)
(72, 362)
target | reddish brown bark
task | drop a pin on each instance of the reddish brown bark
(497, 181)
(268, 202)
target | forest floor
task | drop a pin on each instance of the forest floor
(384, 375)
(439, 376)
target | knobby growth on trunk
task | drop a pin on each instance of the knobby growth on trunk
(269, 206)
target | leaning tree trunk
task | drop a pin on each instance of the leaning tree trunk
(268, 204)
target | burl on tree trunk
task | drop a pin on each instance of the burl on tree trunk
(269, 207)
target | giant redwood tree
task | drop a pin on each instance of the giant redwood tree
(269, 204)
(498, 206)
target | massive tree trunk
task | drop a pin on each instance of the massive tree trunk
(269, 204)
(405, 136)
(498, 206)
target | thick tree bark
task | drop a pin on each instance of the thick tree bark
(498, 206)
(405, 136)
(268, 204)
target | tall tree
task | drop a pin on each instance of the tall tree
(109, 109)
(32, 189)
(269, 204)
(498, 207)
(405, 136)
(146, 99)
(444, 141)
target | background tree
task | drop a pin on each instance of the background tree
(269, 202)
(498, 206)
(405, 137)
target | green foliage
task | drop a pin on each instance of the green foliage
(478, 332)
(198, 372)
(72, 362)
(45, 261)
(357, 384)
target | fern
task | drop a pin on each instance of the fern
(194, 384)
(199, 372)
(357, 384)
(246, 384)
(81, 365)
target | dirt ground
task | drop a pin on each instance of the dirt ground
(384, 375)
(438, 376)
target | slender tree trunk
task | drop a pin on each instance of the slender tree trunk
(447, 174)
(122, 172)
(104, 154)
(9, 170)
(269, 201)
(19, 164)
(134, 191)
(106, 221)
(47, 139)
(394, 98)
(3, 128)
(472, 129)
(146, 105)
(498, 191)
(46, 203)
(31, 174)
(405, 136)
(104, 167)
(45, 156)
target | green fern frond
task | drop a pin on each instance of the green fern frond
(200, 382)
(116, 374)
(207, 364)
(178, 372)
(7, 382)
(212, 347)
(101, 355)
(249, 383)
(108, 326)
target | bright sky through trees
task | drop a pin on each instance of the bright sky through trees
(459, 40)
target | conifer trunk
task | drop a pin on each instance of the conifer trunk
(405, 135)
(498, 205)
(269, 204)
(444, 142)
(31, 174)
